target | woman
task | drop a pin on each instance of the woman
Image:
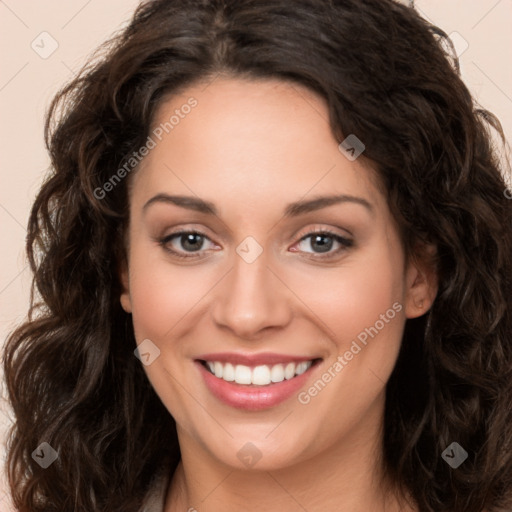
(274, 265)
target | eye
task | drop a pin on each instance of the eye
(183, 242)
(322, 242)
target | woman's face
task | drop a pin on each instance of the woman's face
(256, 290)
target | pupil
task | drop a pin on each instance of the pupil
(322, 244)
(189, 241)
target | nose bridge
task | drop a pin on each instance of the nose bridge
(251, 297)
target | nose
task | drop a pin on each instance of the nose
(251, 300)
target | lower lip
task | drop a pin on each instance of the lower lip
(253, 398)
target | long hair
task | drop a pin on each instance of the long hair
(72, 378)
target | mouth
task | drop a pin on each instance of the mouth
(261, 375)
(255, 386)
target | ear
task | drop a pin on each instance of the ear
(422, 281)
(124, 278)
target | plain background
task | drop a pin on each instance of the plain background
(30, 76)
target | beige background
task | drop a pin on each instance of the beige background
(28, 81)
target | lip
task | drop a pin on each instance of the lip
(252, 397)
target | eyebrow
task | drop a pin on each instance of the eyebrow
(292, 210)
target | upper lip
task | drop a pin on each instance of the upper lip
(254, 359)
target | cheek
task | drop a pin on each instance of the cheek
(165, 295)
(353, 297)
(362, 304)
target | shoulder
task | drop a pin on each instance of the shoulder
(154, 500)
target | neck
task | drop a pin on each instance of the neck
(347, 476)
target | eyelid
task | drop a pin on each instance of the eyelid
(322, 229)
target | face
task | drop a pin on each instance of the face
(235, 263)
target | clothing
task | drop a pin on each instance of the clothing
(155, 499)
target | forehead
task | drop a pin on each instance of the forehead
(255, 142)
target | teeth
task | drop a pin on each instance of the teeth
(262, 375)
(277, 373)
(242, 374)
(228, 372)
(218, 369)
(301, 368)
(289, 371)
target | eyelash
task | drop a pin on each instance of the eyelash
(344, 242)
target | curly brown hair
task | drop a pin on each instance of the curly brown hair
(72, 378)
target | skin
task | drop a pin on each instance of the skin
(251, 148)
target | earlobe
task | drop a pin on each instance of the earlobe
(421, 283)
(125, 302)
(124, 298)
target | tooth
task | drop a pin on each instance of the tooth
(242, 374)
(302, 367)
(277, 373)
(228, 373)
(211, 366)
(218, 369)
(261, 375)
(289, 371)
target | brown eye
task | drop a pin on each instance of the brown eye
(322, 242)
(183, 242)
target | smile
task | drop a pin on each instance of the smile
(255, 382)
(261, 375)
